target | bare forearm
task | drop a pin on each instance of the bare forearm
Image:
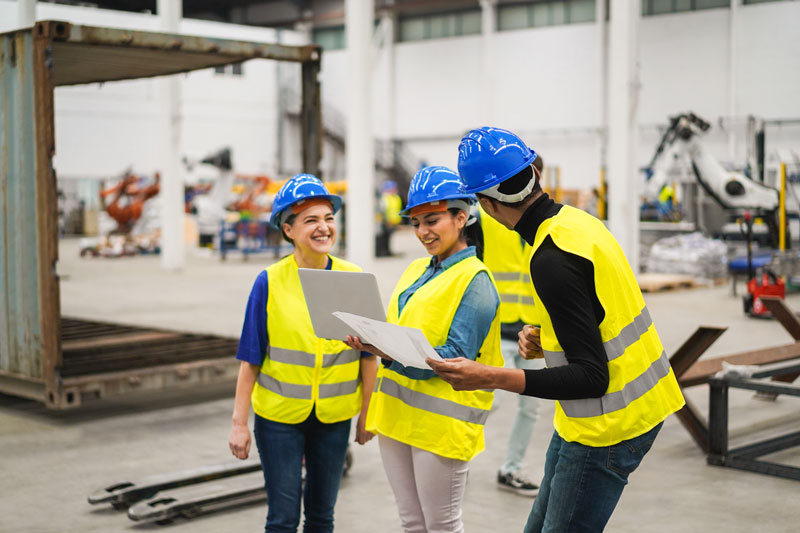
(244, 388)
(510, 379)
(369, 371)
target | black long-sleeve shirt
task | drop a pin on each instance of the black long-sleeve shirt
(565, 285)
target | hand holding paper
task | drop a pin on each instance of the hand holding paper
(407, 346)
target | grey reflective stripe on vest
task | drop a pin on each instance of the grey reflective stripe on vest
(614, 401)
(509, 298)
(526, 278)
(330, 390)
(432, 404)
(614, 347)
(341, 358)
(296, 357)
(292, 357)
(527, 300)
(506, 276)
(629, 334)
(288, 390)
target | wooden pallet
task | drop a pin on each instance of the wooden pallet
(654, 282)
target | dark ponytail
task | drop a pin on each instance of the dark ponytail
(472, 234)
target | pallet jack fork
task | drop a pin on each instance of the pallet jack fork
(193, 500)
(122, 494)
(187, 494)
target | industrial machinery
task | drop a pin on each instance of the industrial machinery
(127, 200)
(210, 202)
(735, 192)
(738, 194)
(760, 282)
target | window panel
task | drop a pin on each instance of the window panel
(412, 29)
(581, 11)
(711, 4)
(558, 13)
(440, 26)
(659, 7)
(330, 38)
(683, 5)
(470, 22)
(512, 17)
(540, 14)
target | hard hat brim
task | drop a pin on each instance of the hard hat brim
(469, 199)
(336, 202)
(499, 179)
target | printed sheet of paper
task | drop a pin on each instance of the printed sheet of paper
(407, 346)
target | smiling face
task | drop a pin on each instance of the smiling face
(313, 230)
(440, 232)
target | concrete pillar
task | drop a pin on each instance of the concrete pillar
(389, 24)
(26, 13)
(624, 181)
(601, 27)
(173, 257)
(359, 142)
(732, 92)
(488, 29)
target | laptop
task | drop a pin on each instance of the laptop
(327, 291)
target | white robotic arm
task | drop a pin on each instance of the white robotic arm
(731, 190)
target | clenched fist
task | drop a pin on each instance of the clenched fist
(530, 345)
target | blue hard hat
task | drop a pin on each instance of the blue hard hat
(434, 184)
(301, 187)
(389, 185)
(488, 156)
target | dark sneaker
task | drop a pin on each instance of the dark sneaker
(512, 482)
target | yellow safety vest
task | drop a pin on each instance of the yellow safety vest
(300, 370)
(428, 413)
(642, 389)
(509, 258)
(393, 204)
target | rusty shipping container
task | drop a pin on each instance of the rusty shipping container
(47, 357)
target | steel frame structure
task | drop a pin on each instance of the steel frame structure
(33, 62)
(746, 457)
(689, 371)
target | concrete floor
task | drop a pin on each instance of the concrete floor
(51, 461)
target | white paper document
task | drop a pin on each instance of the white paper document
(407, 346)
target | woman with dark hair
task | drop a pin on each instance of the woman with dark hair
(304, 390)
(428, 432)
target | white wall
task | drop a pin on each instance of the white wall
(103, 128)
(769, 60)
(545, 83)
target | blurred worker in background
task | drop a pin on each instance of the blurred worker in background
(666, 203)
(606, 366)
(390, 205)
(427, 431)
(304, 389)
(508, 256)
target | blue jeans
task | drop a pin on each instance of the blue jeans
(582, 484)
(282, 448)
(527, 410)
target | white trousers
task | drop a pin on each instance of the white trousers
(428, 488)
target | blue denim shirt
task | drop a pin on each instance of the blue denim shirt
(471, 322)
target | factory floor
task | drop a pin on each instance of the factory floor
(51, 461)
